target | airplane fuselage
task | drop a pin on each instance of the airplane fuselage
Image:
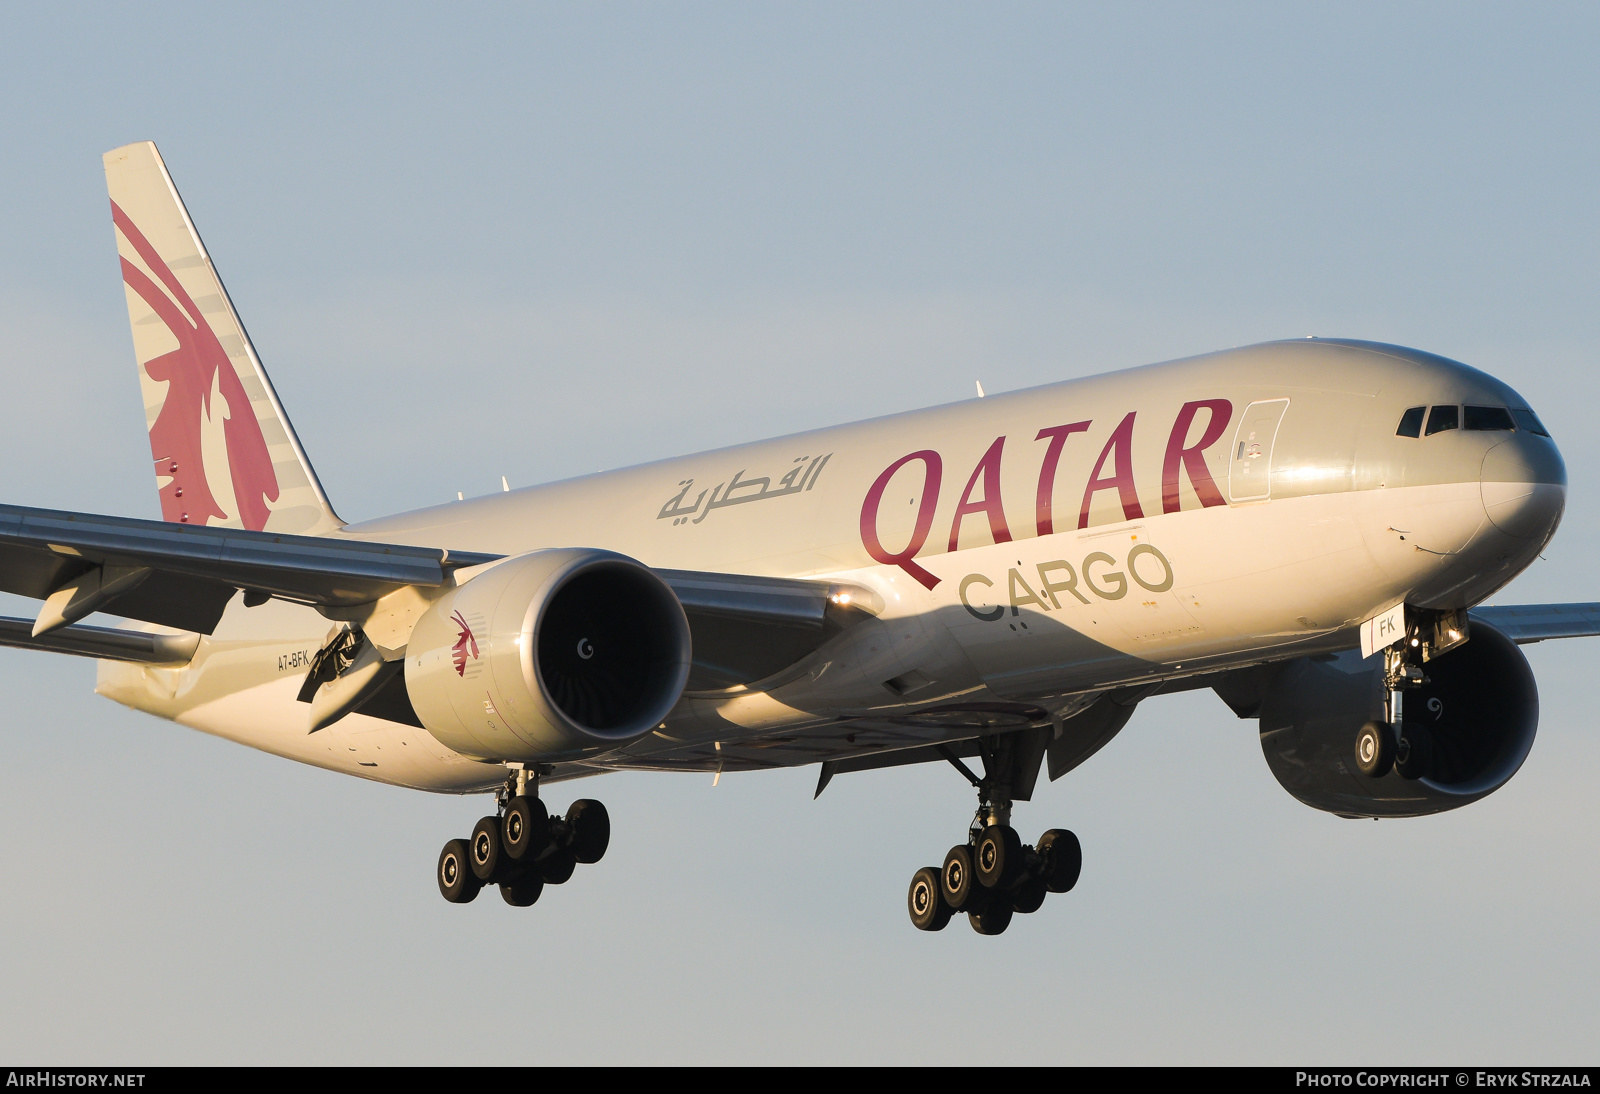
(1030, 550)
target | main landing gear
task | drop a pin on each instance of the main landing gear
(523, 848)
(994, 875)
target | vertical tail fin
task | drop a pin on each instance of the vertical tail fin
(224, 452)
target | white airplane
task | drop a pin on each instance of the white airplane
(1304, 527)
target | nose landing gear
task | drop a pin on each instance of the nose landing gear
(994, 875)
(1406, 748)
(523, 848)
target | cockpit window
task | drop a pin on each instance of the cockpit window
(1443, 418)
(1488, 418)
(1527, 419)
(1411, 422)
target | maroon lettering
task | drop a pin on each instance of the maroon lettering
(905, 559)
(989, 468)
(1192, 457)
(1043, 503)
(1119, 448)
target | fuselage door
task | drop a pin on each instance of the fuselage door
(1250, 468)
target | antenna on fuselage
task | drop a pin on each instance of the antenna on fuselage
(980, 387)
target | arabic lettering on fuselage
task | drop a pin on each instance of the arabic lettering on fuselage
(740, 490)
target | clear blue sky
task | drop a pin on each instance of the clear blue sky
(535, 241)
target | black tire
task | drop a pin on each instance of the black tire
(1028, 897)
(523, 891)
(525, 831)
(486, 856)
(590, 828)
(929, 910)
(1374, 750)
(456, 881)
(993, 918)
(1413, 759)
(958, 880)
(557, 866)
(998, 857)
(1063, 860)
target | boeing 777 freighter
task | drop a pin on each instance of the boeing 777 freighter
(1305, 527)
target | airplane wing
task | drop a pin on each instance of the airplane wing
(747, 628)
(182, 576)
(744, 628)
(1527, 623)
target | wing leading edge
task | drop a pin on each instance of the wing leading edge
(192, 571)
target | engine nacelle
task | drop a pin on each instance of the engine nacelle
(1479, 710)
(552, 655)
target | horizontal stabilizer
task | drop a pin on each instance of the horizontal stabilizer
(107, 643)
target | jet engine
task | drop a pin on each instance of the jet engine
(1473, 722)
(552, 655)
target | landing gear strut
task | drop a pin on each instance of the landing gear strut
(1394, 744)
(523, 848)
(994, 875)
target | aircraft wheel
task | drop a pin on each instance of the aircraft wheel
(488, 856)
(523, 891)
(958, 881)
(525, 831)
(1414, 756)
(999, 856)
(1029, 896)
(1063, 859)
(929, 910)
(993, 918)
(1374, 750)
(456, 880)
(590, 826)
(556, 867)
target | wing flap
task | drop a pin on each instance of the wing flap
(175, 600)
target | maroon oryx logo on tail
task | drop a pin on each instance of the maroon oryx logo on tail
(192, 371)
(464, 642)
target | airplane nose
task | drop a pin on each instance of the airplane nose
(1524, 486)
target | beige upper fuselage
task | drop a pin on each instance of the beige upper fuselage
(1030, 549)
